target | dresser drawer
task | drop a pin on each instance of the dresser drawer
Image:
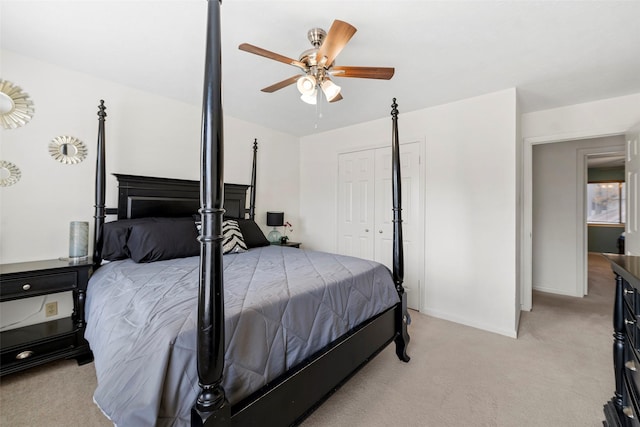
(631, 327)
(632, 365)
(630, 296)
(630, 404)
(37, 285)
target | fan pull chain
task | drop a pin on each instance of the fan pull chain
(318, 106)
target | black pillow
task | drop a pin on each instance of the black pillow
(115, 235)
(163, 239)
(253, 235)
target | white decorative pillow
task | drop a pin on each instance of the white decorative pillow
(233, 241)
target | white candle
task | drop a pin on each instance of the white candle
(78, 239)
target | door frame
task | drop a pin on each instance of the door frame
(526, 233)
(582, 285)
(632, 172)
(422, 201)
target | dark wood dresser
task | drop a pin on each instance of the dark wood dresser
(33, 345)
(624, 407)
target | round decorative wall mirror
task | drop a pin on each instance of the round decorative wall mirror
(67, 149)
(16, 108)
(9, 174)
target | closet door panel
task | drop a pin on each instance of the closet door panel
(356, 204)
(412, 217)
(383, 208)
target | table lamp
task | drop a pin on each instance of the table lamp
(275, 219)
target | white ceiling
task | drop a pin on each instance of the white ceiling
(555, 53)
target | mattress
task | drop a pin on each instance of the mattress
(281, 306)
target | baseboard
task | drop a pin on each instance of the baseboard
(555, 291)
(469, 322)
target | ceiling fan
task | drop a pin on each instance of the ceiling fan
(317, 64)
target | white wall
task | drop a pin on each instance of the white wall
(556, 217)
(145, 135)
(471, 205)
(590, 119)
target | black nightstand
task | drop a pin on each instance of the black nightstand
(288, 244)
(63, 338)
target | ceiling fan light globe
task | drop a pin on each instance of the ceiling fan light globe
(309, 98)
(306, 85)
(330, 89)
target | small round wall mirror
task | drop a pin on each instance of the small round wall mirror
(9, 174)
(16, 109)
(67, 149)
(6, 103)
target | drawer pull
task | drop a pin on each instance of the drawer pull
(631, 365)
(629, 292)
(24, 355)
(26, 287)
(628, 411)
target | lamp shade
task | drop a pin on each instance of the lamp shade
(275, 219)
(310, 99)
(306, 85)
(330, 89)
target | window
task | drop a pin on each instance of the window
(606, 202)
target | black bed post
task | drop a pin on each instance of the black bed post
(252, 197)
(211, 407)
(99, 215)
(402, 337)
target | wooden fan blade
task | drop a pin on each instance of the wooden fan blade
(271, 55)
(286, 82)
(384, 73)
(338, 36)
(337, 98)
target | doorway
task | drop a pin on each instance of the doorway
(554, 216)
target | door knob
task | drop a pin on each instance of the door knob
(380, 231)
(366, 230)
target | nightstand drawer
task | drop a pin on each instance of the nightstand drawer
(37, 285)
(34, 351)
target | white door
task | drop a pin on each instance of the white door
(412, 217)
(365, 227)
(355, 192)
(632, 169)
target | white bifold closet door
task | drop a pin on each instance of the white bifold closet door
(365, 211)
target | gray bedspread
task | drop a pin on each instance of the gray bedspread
(281, 305)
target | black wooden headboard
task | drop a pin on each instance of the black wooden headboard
(145, 196)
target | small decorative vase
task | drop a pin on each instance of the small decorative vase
(274, 236)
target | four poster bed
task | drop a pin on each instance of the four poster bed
(276, 329)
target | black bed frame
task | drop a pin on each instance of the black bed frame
(290, 398)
